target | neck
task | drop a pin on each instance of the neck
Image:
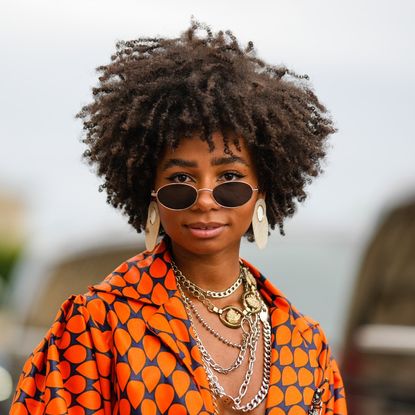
(214, 272)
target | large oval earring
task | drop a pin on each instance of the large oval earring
(152, 226)
(260, 223)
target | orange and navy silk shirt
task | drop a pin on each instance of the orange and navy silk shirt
(126, 348)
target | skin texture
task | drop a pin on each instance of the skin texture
(198, 256)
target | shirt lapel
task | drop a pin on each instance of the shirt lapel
(148, 278)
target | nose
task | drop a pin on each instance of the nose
(205, 200)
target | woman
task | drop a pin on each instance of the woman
(203, 143)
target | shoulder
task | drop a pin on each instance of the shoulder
(285, 316)
(284, 313)
(140, 283)
(310, 329)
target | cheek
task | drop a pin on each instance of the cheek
(168, 218)
(244, 216)
(165, 216)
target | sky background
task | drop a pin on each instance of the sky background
(360, 59)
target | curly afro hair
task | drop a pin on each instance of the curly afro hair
(157, 91)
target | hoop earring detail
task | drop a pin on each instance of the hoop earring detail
(152, 226)
(260, 223)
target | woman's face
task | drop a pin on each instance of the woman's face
(206, 227)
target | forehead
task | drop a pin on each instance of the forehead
(194, 147)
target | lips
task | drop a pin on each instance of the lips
(205, 230)
(203, 225)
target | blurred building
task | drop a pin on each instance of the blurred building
(12, 234)
(379, 354)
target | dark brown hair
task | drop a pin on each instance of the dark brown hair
(156, 91)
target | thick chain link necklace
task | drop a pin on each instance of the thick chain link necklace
(231, 316)
(211, 330)
(205, 354)
(193, 288)
(249, 320)
(236, 402)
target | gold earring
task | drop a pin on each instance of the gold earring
(152, 226)
(260, 223)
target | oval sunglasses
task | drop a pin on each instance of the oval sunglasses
(181, 196)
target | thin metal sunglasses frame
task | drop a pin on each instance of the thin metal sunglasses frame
(154, 193)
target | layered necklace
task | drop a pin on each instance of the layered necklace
(248, 320)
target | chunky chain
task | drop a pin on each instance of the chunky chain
(210, 360)
(193, 288)
(263, 390)
(236, 402)
(252, 316)
(214, 332)
(231, 316)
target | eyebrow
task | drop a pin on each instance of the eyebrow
(217, 161)
(178, 163)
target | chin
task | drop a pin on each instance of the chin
(206, 246)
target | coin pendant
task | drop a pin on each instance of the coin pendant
(250, 278)
(231, 316)
(252, 302)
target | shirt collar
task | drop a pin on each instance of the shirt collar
(149, 278)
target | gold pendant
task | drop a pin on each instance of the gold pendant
(252, 302)
(231, 316)
(250, 279)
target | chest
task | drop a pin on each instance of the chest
(243, 366)
(167, 371)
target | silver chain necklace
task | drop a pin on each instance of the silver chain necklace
(206, 355)
(214, 332)
(193, 288)
(231, 316)
(253, 317)
(236, 402)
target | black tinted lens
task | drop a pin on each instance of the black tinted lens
(177, 196)
(232, 194)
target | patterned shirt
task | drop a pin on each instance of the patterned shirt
(126, 348)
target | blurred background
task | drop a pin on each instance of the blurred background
(348, 257)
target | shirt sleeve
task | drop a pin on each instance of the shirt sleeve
(69, 371)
